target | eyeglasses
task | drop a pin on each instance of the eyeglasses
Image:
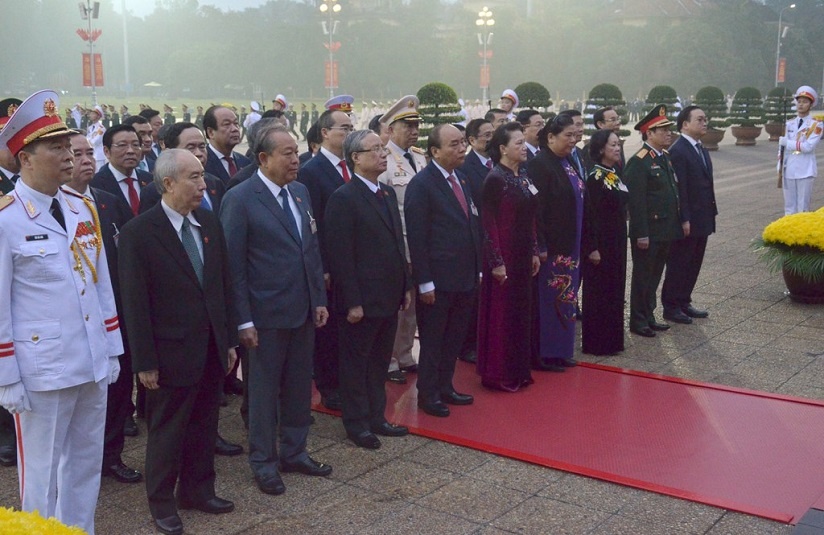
(377, 149)
(344, 127)
(123, 145)
(613, 120)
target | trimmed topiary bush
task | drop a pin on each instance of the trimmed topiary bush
(533, 95)
(664, 94)
(778, 105)
(439, 105)
(714, 103)
(747, 108)
(605, 95)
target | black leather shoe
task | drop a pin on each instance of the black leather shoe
(643, 331)
(470, 357)
(332, 401)
(454, 398)
(171, 525)
(122, 473)
(677, 317)
(569, 363)
(388, 430)
(412, 368)
(693, 312)
(213, 506)
(308, 466)
(233, 385)
(271, 485)
(130, 428)
(227, 448)
(366, 439)
(397, 377)
(434, 408)
(655, 326)
(548, 367)
(8, 456)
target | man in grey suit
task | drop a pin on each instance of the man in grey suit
(279, 292)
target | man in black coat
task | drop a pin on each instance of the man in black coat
(120, 176)
(177, 305)
(223, 132)
(443, 232)
(693, 168)
(367, 260)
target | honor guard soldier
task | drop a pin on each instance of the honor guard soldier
(405, 160)
(799, 143)
(168, 116)
(59, 331)
(653, 218)
(94, 133)
(340, 103)
(509, 102)
(8, 166)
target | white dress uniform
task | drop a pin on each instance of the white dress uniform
(397, 175)
(94, 133)
(59, 331)
(800, 167)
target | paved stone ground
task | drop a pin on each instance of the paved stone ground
(755, 338)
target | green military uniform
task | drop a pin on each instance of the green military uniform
(653, 214)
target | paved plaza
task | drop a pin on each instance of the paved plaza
(754, 338)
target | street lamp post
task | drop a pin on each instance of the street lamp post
(88, 12)
(330, 26)
(778, 41)
(484, 22)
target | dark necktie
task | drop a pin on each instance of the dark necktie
(57, 213)
(287, 211)
(232, 166)
(344, 170)
(459, 194)
(411, 160)
(14, 178)
(800, 122)
(700, 148)
(190, 246)
(134, 198)
(489, 164)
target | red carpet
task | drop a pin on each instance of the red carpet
(753, 452)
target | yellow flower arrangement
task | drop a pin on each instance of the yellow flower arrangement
(795, 243)
(23, 523)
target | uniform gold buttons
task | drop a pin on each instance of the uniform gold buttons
(34, 338)
(87, 317)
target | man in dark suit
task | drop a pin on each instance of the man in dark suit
(223, 132)
(477, 163)
(155, 121)
(322, 175)
(176, 299)
(113, 215)
(443, 232)
(653, 218)
(279, 295)
(605, 118)
(120, 176)
(367, 258)
(532, 122)
(696, 195)
(144, 133)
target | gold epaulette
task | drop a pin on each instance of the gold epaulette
(72, 193)
(418, 150)
(642, 153)
(5, 201)
(665, 151)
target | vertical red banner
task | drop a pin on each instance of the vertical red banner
(98, 70)
(484, 76)
(331, 74)
(87, 70)
(782, 68)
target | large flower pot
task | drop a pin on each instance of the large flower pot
(802, 290)
(746, 135)
(712, 138)
(775, 130)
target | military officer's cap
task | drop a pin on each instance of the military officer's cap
(36, 118)
(255, 105)
(657, 117)
(406, 109)
(340, 103)
(807, 91)
(511, 95)
(7, 108)
(281, 100)
(98, 110)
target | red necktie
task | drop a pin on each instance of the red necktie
(134, 198)
(489, 164)
(458, 191)
(345, 170)
(232, 166)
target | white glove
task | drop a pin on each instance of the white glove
(114, 369)
(782, 141)
(13, 397)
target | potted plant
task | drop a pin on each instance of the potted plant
(605, 95)
(777, 105)
(439, 105)
(746, 116)
(794, 244)
(712, 100)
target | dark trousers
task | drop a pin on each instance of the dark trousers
(647, 268)
(119, 408)
(280, 397)
(326, 352)
(470, 342)
(7, 435)
(683, 266)
(180, 448)
(365, 351)
(442, 328)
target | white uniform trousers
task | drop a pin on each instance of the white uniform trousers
(797, 192)
(405, 338)
(60, 452)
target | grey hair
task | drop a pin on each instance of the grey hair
(265, 141)
(352, 144)
(167, 164)
(253, 131)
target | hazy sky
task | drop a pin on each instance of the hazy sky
(144, 7)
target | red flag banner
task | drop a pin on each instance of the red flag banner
(87, 70)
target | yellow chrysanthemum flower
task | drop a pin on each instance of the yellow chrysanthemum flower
(23, 523)
(805, 229)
